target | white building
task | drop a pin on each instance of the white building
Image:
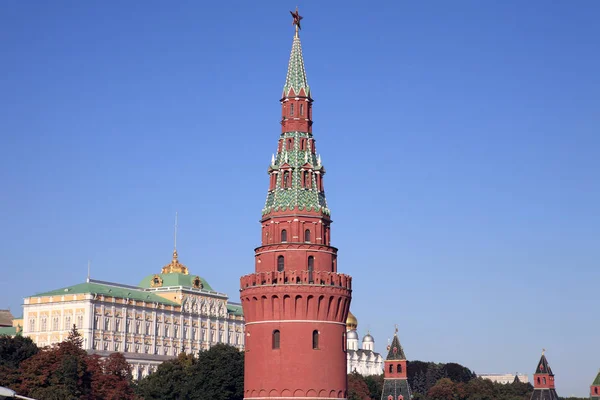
(505, 378)
(166, 314)
(365, 360)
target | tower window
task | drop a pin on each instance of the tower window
(544, 380)
(391, 368)
(315, 340)
(399, 368)
(283, 236)
(344, 342)
(292, 109)
(286, 179)
(301, 109)
(290, 144)
(596, 390)
(311, 267)
(276, 339)
(303, 144)
(307, 235)
(538, 380)
(280, 263)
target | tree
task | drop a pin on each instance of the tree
(14, 350)
(217, 375)
(375, 385)
(111, 377)
(418, 383)
(58, 371)
(167, 382)
(445, 389)
(357, 387)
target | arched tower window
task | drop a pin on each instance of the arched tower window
(391, 369)
(315, 340)
(280, 263)
(596, 390)
(399, 368)
(311, 268)
(276, 339)
(539, 380)
(283, 235)
(301, 109)
(544, 380)
(307, 235)
(292, 109)
(286, 179)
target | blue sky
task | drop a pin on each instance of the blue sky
(460, 139)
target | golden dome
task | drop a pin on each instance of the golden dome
(351, 322)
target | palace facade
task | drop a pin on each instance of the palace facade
(166, 314)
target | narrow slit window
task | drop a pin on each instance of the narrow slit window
(286, 179)
(283, 235)
(315, 340)
(301, 109)
(399, 368)
(391, 368)
(292, 109)
(311, 268)
(276, 339)
(307, 235)
(280, 263)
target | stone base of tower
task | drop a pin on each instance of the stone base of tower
(396, 389)
(544, 394)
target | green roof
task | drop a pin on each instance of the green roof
(597, 380)
(175, 279)
(396, 352)
(10, 331)
(235, 309)
(296, 74)
(108, 290)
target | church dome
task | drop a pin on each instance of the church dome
(351, 322)
(368, 338)
(352, 335)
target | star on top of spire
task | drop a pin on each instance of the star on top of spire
(297, 19)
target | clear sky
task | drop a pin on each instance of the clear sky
(461, 141)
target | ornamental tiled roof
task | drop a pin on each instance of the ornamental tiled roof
(296, 74)
(235, 309)
(543, 367)
(296, 197)
(395, 350)
(123, 292)
(396, 388)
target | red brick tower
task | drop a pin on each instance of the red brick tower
(295, 303)
(543, 381)
(395, 381)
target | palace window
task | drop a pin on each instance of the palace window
(280, 263)
(44, 327)
(32, 324)
(315, 340)
(80, 321)
(276, 339)
(307, 235)
(283, 236)
(55, 323)
(311, 267)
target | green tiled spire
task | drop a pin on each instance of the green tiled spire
(296, 74)
(597, 380)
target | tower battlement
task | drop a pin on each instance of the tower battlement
(317, 278)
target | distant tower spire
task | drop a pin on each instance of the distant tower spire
(395, 384)
(543, 381)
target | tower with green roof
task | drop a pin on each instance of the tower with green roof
(595, 388)
(295, 303)
(395, 381)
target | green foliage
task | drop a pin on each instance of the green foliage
(14, 350)
(216, 374)
(375, 385)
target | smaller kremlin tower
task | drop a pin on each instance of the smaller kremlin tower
(595, 388)
(543, 381)
(395, 382)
